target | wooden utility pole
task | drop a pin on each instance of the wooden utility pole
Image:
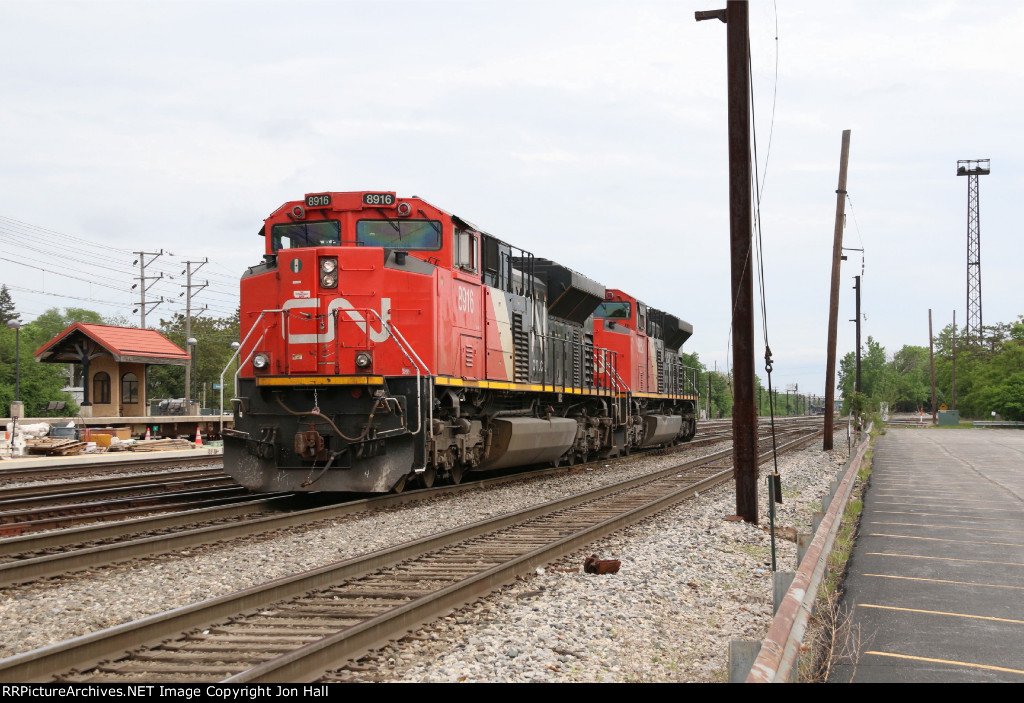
(744, 415)
(954, 361)
(833, 307)
(856, 382)
(931, 360)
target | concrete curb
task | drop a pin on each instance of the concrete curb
(781, 647)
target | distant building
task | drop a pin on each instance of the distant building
(114, 361)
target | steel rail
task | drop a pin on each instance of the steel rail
(58, 564)
(88, 650)
(76, 488)
(93, 498)
(45, 566)
(63, 516)
(309, 662)
(137, 459)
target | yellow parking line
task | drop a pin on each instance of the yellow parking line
(957, 583)
(920, 497)
(969, 561)
(972, 507)
(950, 515)
(939, 612)
(943, 527)
(969, 665)
(955, 541)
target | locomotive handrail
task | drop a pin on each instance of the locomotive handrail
(239, 369)
(402, 343)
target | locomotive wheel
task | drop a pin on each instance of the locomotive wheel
(625, 450)
(429, 476)
(457, 473)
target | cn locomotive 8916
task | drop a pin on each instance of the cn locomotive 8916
(387, 343)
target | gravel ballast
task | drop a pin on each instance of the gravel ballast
(689, 582)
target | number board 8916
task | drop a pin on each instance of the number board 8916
(319, 200)
(378, 199)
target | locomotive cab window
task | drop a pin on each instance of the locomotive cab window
(408, 235)
(465, 250)
(306, 234)
(616, 310)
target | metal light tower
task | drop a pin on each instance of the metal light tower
(972, 168)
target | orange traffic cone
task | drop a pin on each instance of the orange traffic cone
(147, 434)
(199, 438)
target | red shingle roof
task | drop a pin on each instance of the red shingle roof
(124, 343)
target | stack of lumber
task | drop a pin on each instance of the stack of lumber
(162, 445)
(54, 446)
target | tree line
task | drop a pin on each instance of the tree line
(721, 393)
(989, 374)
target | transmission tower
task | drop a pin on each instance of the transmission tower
(972, 168)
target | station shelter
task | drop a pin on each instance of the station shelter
(114, 362)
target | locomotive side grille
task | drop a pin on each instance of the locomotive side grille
(661, 372)
(469, 356)
(588, 361)
(577, 358)
(521, 342)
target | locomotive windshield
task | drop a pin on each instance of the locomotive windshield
(306, 234)
(409, 235)
(618, 310)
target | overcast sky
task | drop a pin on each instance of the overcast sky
(592, 133)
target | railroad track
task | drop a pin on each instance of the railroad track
(294, 629)
(134, 461)
(60, 510)
(57, 553)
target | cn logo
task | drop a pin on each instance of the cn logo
(346, 308)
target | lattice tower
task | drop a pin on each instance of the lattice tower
(972, 169)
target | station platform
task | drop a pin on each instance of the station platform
(935, 587)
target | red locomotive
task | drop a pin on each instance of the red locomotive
(385, 341)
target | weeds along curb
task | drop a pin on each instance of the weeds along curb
(832, 637)
(780, 650)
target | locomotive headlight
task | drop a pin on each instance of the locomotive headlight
(261, 361)
(329, 272)
(363, 359)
